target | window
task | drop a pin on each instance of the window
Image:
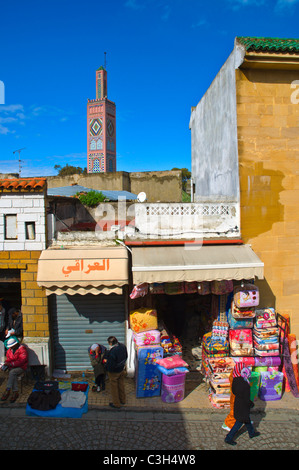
(30, 230)
(10, 227)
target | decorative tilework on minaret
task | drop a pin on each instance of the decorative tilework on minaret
(101, 128)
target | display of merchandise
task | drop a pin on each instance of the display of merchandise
(246, 295)
(271, 386)
(143, 319)
(242, 313)
(218, 373)
(146, 338)
(147, 376)
(241, 342)
(173, 388)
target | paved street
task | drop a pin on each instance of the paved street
(140, 430)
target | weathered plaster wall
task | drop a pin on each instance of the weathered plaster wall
(214, 140)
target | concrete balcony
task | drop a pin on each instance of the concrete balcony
(151, 221)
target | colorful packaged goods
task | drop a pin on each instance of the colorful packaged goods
(148, 377)
(146, 338)
(143, 319)
(242, 313)
(254, 381)
(173, 388)
(218, 372)
(266, 341)
(271, 386)
(241, 342)
(265, 318)
(170, 345)
(236, 324)
(215, 346)
(172, 362)
(220, 330)
(246, 295)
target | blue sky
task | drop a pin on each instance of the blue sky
(162, 56)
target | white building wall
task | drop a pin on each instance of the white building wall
(214, 145)
(27, 207)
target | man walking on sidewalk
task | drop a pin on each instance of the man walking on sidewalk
(115, 365)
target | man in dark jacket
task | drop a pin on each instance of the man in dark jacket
(115, 365)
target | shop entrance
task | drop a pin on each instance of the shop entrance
(10, 288)
(186, 316)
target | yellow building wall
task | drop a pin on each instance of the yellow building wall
(34, 300)
(268, 144)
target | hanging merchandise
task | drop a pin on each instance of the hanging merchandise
(221, 287)
(204, 288)
(139, 291)
(143, 319)
(246, 295)
(190, 287)
(174, 288)
(157, 288)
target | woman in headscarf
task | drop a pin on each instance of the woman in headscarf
(242, 403)
(97, 353)
(230, 419)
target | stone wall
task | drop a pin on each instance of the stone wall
(268, 145)
(34, 300)
(162, 186)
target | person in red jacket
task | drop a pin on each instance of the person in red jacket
(16, 362)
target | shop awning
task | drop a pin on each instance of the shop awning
(83, 270)
(201, 263)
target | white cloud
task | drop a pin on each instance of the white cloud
(283, 4)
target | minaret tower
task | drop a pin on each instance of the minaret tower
(101, 128)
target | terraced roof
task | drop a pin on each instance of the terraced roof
(279, 45)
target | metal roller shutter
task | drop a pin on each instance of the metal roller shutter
(81, 320)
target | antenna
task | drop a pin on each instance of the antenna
(105, 60)
(19, 152)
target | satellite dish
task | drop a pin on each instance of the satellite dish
(141, 197)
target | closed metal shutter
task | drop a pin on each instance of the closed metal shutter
(78, 321)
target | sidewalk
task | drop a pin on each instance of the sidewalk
(196, 398)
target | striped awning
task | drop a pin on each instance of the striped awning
(195, 263)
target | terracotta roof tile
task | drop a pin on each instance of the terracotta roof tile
(19, 184)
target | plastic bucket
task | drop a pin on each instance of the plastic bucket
(173, 388)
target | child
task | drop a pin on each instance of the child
(96, 355)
